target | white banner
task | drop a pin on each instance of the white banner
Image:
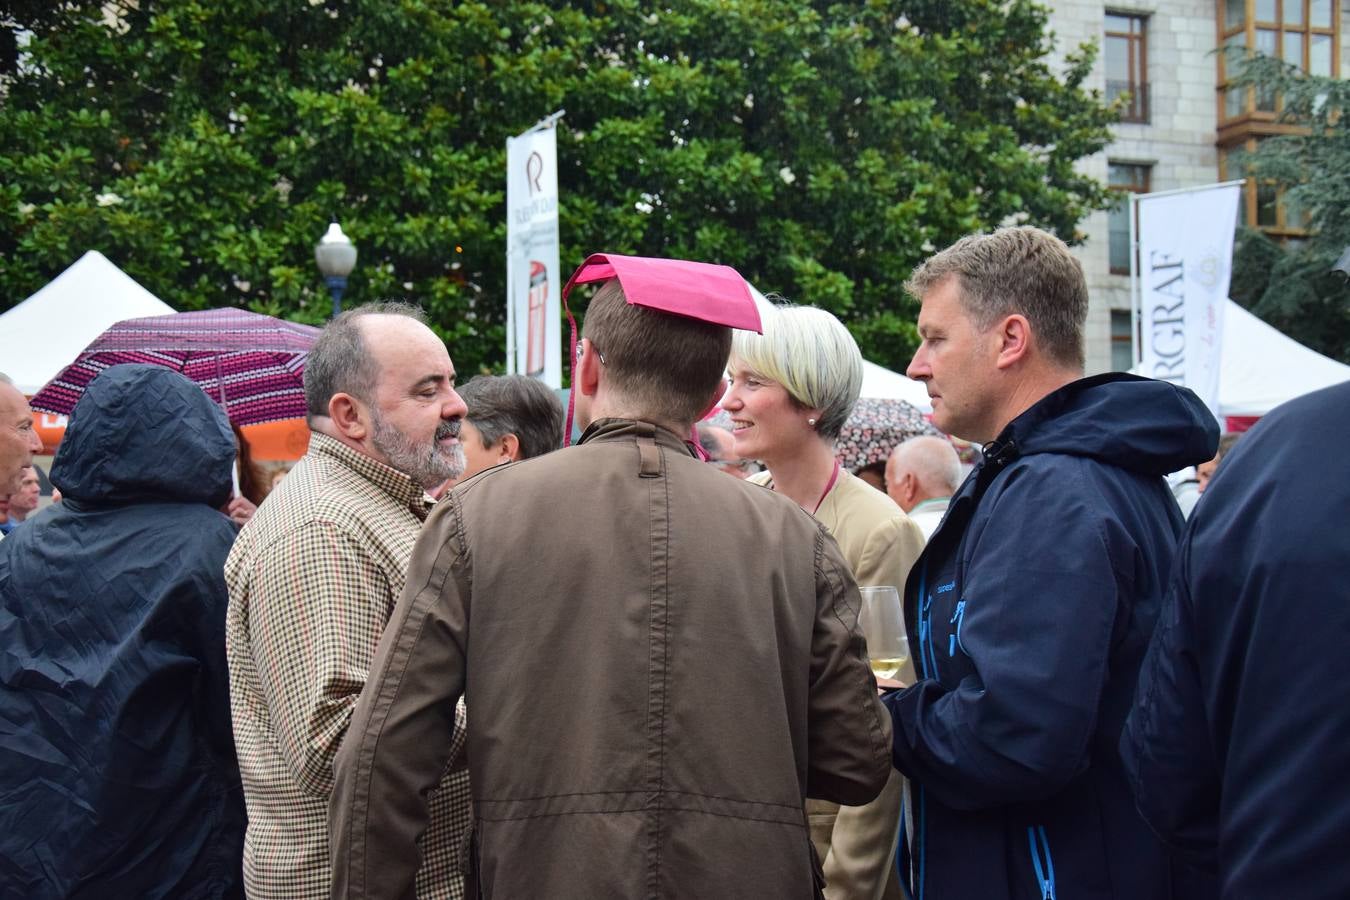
(533, 274)
(1185, 260)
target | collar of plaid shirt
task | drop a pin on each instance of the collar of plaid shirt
(389, 480)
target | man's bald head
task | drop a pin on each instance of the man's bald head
(920, 469)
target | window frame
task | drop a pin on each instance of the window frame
(1139, 186)
(1138, 110)
(1249, 117)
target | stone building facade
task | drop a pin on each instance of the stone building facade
(1179, 122)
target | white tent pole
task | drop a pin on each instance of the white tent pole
(1136, 302)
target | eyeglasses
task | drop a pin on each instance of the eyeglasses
(581, 351)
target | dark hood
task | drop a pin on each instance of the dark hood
(145, 433)
(1134, 423)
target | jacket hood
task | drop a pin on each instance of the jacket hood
(1134, 423)
(145, 433)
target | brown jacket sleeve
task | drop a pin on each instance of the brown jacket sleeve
(849, 731)
(399, 741)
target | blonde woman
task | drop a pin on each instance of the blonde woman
(791, 390)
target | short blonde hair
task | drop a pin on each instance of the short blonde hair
(812, 355)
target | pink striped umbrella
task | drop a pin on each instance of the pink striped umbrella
(251, 364)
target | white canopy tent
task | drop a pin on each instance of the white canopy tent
(884, 384)
(1262, 367)
(44, 334)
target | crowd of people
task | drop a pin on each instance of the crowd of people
(444, 658)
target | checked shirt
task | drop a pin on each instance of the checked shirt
(313, 579)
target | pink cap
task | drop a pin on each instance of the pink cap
(703, 291)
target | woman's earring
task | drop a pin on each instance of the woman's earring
(811, 422)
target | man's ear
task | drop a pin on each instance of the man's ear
(910, 486)
(508, 445)
(349, 416)
(1013, 340)
(587, 375)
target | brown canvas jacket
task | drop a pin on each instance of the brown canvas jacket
(663, 662)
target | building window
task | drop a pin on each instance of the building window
(1126, 57)
(1303, 33)
(1263, 205)
(1122, 345)
(1127, 178)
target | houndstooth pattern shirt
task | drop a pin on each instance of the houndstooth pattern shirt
(313, 579)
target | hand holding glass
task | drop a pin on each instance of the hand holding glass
(883, 625)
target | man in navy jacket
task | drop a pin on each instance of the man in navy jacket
(1238, 747)
(1031, 607)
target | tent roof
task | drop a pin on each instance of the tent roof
(44, 334)
(884, 384)
(1262, 367)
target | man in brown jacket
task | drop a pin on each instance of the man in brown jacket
(663, 661)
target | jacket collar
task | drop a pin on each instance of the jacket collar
(387, 479)
(629, 429)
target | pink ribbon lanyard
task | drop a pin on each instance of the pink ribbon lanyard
(834, 476)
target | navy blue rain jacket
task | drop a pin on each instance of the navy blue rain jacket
(118, 775)
(1029, 613)
(1239, 744)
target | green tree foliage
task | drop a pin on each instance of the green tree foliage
(822, 149)
(1293, 288)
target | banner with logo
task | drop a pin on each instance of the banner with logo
(533, 274)
(1185, 260)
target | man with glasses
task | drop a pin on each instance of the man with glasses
(659, 691)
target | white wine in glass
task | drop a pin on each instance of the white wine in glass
(883, 625)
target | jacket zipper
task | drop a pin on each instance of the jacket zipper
(925, 654)
(1045, 874)
(954, 640)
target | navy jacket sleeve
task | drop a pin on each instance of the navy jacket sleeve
(1042, 593)
(1166, 748)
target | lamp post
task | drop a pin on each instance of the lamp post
(336, 256)
(1342, 265)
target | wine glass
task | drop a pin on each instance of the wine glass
(883, 625)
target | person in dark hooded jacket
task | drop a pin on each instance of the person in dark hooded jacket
(1032, 604)
(117, 763)
(1238, 747)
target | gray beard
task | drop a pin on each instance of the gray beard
(426, 464)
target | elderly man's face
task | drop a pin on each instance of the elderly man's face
(18, 440)
(415, 410)
(25, 499)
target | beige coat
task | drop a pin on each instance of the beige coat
(880, 544)
(663, 662)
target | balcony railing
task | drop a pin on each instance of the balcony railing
(1136, 108)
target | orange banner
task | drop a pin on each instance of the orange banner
(269, 442)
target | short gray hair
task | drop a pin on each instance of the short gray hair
(339, 362)
(812, 355)
(933, 461)
(515, 404)
(1021, 270)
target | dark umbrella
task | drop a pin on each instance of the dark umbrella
(251, 364)
(875, 428)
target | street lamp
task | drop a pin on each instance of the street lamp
(336, 256)
(1342, 265)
